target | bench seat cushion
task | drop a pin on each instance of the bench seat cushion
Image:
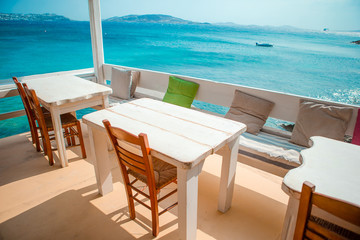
(113, 101)
(270, 148)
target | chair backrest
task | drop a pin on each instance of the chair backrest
(24, 100)
(139, 163)
(306, 227)
(36, 110)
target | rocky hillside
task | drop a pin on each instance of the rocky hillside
(31, 17)
(150, 18)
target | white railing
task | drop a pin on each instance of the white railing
(286, 105)
(154, 84)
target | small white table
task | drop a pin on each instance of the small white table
(177, 135)
(333, 167)
(64, 94)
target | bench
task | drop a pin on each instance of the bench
(270, 150)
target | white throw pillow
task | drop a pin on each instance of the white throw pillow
(121, 83)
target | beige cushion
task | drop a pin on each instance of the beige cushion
(124, 82)
(121, 83)
(250, 110)
(317, 119)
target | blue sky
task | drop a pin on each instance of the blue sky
(310, 14)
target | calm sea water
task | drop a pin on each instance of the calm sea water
(317, 64)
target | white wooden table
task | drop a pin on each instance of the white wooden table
(333, 167)
(177, 135)
(64, 94)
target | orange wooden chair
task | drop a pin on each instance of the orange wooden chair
(155, 173)
(311, 227)
(69, 123)
(29, 114)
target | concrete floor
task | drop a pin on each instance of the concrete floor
(38, 201)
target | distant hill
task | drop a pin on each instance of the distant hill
(150, 18)
(31, 17)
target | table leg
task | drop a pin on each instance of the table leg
(105, 101)
(188, 200)
(288, 229)
(59, 136)
(228, 170)
(100, 158)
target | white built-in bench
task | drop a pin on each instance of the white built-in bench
(270, 150)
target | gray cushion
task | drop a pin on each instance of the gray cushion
(121, 83)
(317, 119)
(250, 110)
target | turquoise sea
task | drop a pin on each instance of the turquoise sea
(310, 63)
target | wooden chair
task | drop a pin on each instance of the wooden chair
(311, 227)
(29, 114)
(69, 123)
(155, 173)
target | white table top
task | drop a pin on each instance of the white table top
(332, 166)
(183, 136)
(58, 90)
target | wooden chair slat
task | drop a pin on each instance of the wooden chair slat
(132, 162)
(132, 167)
(313, 235)
(323, 231)
(339, 208)
(125, 136)
(130, 155)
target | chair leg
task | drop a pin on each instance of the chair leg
(41, 136)
(34, 134)
(72, 137)
(131, 203)
(37, 141)
(50, 155)
(32, 131)
(81, 139)
(47, 148)
(67, 133)
(154, 214)
(128, 190)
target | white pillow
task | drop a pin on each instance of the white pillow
(121, 83)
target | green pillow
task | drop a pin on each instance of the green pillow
(180, 92)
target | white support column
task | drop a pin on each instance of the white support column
(96, 39)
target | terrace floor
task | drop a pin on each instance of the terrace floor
(42, 202)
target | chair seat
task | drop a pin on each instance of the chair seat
(66, 120)
(164, 173)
